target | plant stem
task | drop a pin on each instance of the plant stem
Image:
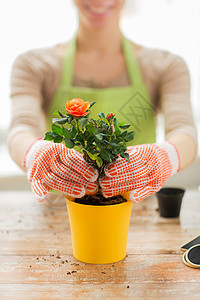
(78, 128)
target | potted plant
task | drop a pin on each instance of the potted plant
(99, 226)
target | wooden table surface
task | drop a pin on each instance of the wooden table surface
(36, 260)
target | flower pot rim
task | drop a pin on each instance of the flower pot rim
(168, 190)
(96, 206)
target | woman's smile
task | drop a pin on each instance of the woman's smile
(99, 13)
(99, 10)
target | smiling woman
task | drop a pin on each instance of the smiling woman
(102, 57)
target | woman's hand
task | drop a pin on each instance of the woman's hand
(150, 167)
(52, 166)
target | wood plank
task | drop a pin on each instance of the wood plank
(104, 291)
(25, 213)
(23, 207)
(149, 241)
(66, 269)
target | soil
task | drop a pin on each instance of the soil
(99, 199)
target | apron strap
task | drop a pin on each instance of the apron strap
(132, 64)
(68, 63)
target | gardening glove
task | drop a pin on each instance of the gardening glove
(52, 166)
(150, 167)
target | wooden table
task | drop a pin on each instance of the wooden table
(36, 260)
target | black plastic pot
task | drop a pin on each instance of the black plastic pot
(169, 201)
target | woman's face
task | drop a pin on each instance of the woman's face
(99, 13)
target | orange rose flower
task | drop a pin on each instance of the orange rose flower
(77, 107)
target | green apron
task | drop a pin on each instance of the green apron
(131, 104)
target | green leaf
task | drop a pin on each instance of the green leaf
(116, 151)
(105, 127)
(99, 122)
(123, 135)
(114, 121)
(91, 129)
(99, 136)
(70, 119)
(93, 156)
(49, 136)
(56, 112)
(123, 147)
(102, 115)
(62, 115)
(93, 151)
(83, 122)
(58, 139)
(126, 156)
(126, 126)
(92, 121)
(80, 139)
(106, 155)
(69, 143)
(114, 145)
(117, 130)
(116, 127)
(115, 141)
(99, 162)
(67, 133)
(130, 136)
(74, 131)
(106, 121)
(57, 129)
(59, 120)
(89, 141)
(121, 124)
(92, 103)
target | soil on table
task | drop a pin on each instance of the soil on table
(99, 199)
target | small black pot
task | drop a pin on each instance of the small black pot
(169, 201)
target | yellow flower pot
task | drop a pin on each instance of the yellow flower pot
(99, 233)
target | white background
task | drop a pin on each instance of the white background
(172, 25)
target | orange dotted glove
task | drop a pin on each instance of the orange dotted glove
(52, 166)
(150, 167)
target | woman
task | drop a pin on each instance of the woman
(136, 82)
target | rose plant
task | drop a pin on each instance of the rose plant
(99, 226)
(101, 140)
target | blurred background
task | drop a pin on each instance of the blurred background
(172, 25)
